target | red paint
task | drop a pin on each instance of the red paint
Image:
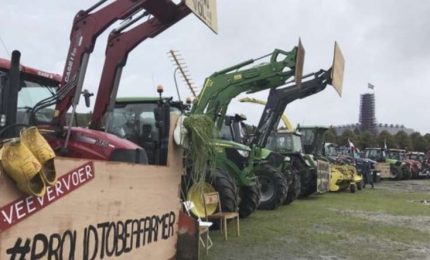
(5, 65)
(20, 209)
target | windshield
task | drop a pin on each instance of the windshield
(374, 154)
(397, 155)
(330, 150)
(285, 143)
(30, 94)
(226, 133)
(417, 157)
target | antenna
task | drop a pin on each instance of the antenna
(180, 65)
(4, 46)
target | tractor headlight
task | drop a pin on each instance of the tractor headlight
(243, 153)
(2, 120)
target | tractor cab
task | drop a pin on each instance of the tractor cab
(417, 156)
(33, 86)
(285, 141)
(138, 120)
(233, 129)
(397, 154)
(313, 139)
(376, 154)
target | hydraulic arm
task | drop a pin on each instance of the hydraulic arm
(87, 26)
(284, 118)
(279, 98)
(221, 87)
(120, 44)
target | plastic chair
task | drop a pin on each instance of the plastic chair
(213, 198)
(203, 227)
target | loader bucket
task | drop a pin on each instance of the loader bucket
(195, 194)
(300, 60)
(337, 69)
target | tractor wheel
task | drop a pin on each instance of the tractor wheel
(308, 183)
(376, 177)
(397, 172)
(293, 189)
(360, 185)
(352, 187)
(406, 172)
(224, 184)
(227, 189)
(249, 200)
(274, 187)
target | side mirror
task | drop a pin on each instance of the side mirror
(227, 121)
(87, 95)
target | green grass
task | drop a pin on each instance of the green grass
(382, 223)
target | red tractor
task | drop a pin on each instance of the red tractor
(44, 90)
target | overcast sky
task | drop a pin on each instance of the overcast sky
(386, 43)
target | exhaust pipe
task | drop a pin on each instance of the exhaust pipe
(10, 94)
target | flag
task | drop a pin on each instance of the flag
(371, 86)
(350, 144)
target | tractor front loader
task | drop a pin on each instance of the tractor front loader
(92, 150)
(235, 161)
(288, 141)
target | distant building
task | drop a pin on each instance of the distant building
(391, 128)
(367, 113)
(367, 120)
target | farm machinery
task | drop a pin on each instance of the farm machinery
(421, 164)
(410, 168)
(233, 171)
(27, 100)
(390, 166)
(305, 177)
(342, 176)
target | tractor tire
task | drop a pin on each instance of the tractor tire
(406, 173)
(227, 189)
(308, 183)
(274, 187)
(249, 200)
(294, 189)
(360, 185)
(352, 188)
(224, 184)
(397, 172)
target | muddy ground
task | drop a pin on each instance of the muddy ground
(391, 221)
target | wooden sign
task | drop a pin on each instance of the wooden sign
(300, 61)
(337, 69)
(205, 10)
(101, 210)
(323, 176)
(384, 169)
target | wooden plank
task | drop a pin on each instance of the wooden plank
(205, 10)
(126, 211)
(300, 62)
(338, 68)
(384, 169)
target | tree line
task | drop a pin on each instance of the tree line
(401, 140)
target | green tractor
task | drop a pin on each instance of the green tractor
(313, 177)
(237, 160)
(269, 160)
(391, 163)
(342, 175)
(233, 171)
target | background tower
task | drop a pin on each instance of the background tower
(367, 113)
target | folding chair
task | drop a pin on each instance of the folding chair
(213, 198)
(203, 227)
